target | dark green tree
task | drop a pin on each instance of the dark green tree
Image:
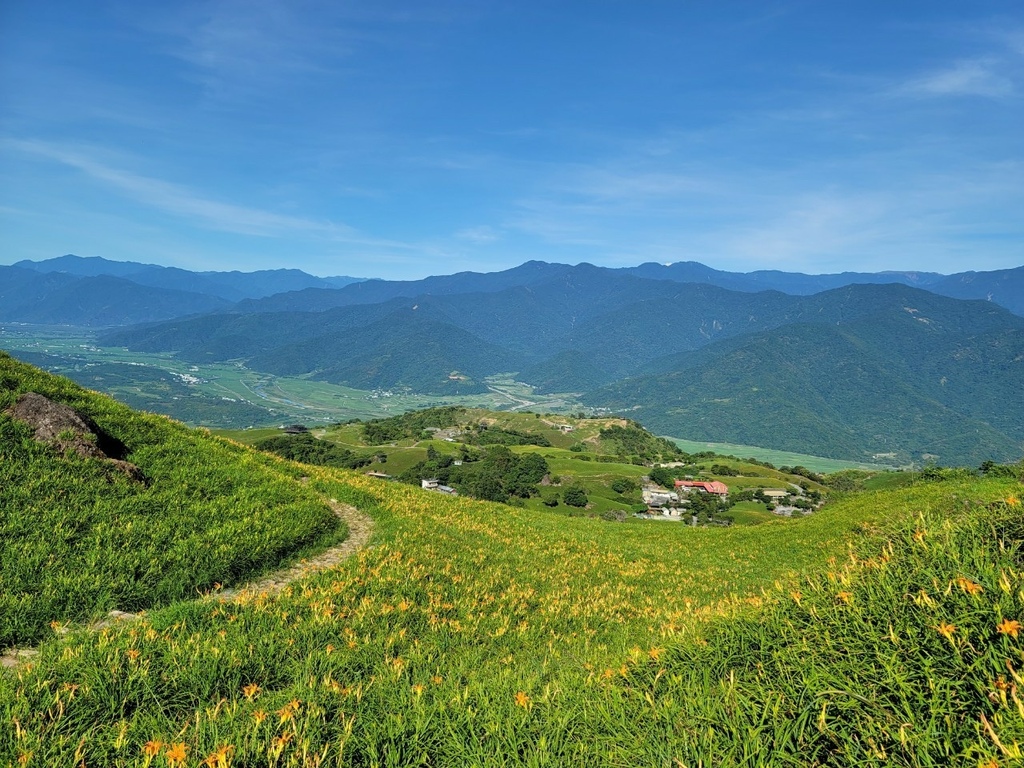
(663, 476)
(575, 496)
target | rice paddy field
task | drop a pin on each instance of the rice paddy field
(779, 458)
(882, 630)
(229, 395)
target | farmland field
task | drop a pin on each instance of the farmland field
(232, 397)
(778, 458)
(229, 396)
(479, 634)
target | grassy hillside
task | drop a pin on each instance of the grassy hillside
(607, 436)
(886, 629)
(80, 538)
(477, 634)
(540, 461)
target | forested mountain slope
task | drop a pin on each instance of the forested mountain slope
(852, 372)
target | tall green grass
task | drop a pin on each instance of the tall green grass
(79, 538)
(906, 652)
(481, 635)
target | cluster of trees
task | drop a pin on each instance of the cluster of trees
(991, 469)
(494, 474)
(662, 476)
(412, 424)
(575, 496)
(803, 472)
(572, 496)
(635, 441)
(309, 450)
(709, 507)
(724, 470)
(482, 434)
(624, 485)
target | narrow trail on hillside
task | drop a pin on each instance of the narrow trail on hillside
(360, 529)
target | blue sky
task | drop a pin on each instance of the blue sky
(401, 139)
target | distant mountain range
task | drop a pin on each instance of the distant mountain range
(77, 301)
(281, 290)
(1004, 287)
(902, 366)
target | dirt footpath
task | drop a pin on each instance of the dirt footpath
(360, 528)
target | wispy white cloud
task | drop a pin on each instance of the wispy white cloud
(874, 210)
(809, 229)
(1015, 40)
(253, 44)
(178, 199)
(638, 187)
(481, 235)
(240, 49)
(198, 209)
(971, 77)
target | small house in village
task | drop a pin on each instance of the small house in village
(655, 497)
(704, 486)
(435, 485)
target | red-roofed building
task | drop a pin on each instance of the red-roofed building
(707, 486)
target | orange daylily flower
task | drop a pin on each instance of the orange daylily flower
(968, 586)
(176, 753)
(1009, 627)
(221, 757)
(152, 748)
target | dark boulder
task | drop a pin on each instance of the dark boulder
(66, 429)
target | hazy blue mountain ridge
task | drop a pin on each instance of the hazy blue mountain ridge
(231, 286)
(32, 297)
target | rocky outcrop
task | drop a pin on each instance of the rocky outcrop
(66, 429)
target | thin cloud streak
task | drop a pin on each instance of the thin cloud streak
(181, 201)
(975, 77)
